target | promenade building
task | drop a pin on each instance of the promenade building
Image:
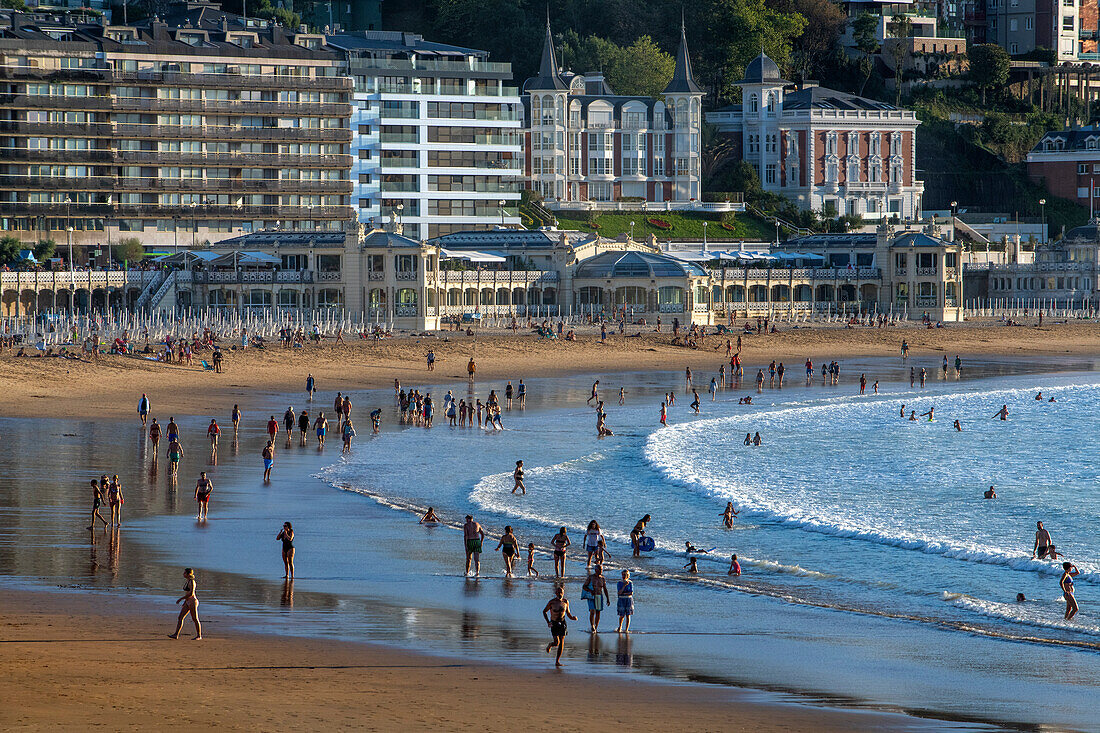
(828, 151)
(588, 146)
(1062, 274)
(436, 138)
(1067, 162)
(176, 130)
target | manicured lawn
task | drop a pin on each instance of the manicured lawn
(685, 225)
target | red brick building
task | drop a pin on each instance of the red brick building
(1068, 162)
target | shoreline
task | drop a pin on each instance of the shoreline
(39, 387)
(128, 673)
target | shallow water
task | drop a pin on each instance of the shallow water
(875, 574)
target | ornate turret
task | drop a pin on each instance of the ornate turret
(683, 81)
(548, 78)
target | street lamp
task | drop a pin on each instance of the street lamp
(954, 204)
(704, 236)
(502, 202)
(1043, 203)
(194, 226)
(175, 234)
(72, 271)
(631, 231)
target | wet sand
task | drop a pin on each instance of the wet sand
(81, 661)
(40, 387)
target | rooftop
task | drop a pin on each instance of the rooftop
(636, 264)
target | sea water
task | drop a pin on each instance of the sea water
(847, 508)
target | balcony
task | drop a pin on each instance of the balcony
(217, 277)
(494, 277)
(366, 66)
(234, 81)
(927, 301)
(399, 138)
(927, 271)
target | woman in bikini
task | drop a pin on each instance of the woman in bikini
(730, 513)
(114, 500)
(190, 606)
(286, 534)
(1069, 570)
(430, 517)
(509, 548)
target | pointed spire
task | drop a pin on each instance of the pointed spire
(683, 81)
(548, 77)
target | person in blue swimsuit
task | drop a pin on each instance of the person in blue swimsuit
(626, 603)
(321, 425)
(521, 393)
(1069, 570)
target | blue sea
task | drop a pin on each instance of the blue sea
(875, 574)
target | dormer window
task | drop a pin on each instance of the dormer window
(1090, 143)
(191, 39)
(122, 35)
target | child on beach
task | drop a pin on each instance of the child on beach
(531, 570)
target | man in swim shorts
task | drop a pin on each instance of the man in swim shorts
(555, 613)
(1042, 542)
(204, 487)
(473, 535)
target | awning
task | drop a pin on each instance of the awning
(187, 256)
(470, 256)
(245, 259)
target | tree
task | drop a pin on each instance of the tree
(640, 69)
(44, 249)
(9, 249)
(129, 249)
(728, 34)
(13, 4)
(825, 22)
(900, 29)
(989, 64)
(866, 68)
(865, 32)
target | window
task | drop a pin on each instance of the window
(831, 172)
(949, 259)
(926, 289)
(599, 191)
(1029, 22)
(1013, 25)
(830, 144)
(769, 173)
(1067, 23)
(754, 104)
(1082, 168)
(901, 259)
(658, 166)
(926, 259)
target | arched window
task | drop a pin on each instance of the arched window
(630, 295)
(377, 298)
(258, 298)
(781, 293)
(670, 294)
(758, 294)
(288, 298)
(405, 296)
(333, 298)
(694, 112)
(735, 294)
(803, 293)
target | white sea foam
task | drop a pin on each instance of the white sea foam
(1043, 613)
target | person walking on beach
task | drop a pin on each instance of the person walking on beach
(235, 416)
(348, 433)
(471, 369)
(729, 514)
(695, 401)
(591, 542)
(190, 606)
(594, 591)
(143, 409)
(204, 487)
(517, 475)
(625, 607)
(560, 542)
(115, 500)
(555, 613)
(311, 386)
(97, 501)
(213, 431)
(664, 414)
(154, 437)
(288, 423)
(172, 430)
(509, 550)
(321, 426)
(595, 393)
(474, 536)
(175, 453)
(431, 360)
(1069, 571)
(531, 570)
(303, 427)
(1042, 542)
(268, 454)
(338, 408)
(286, 535)
(272, 428)
(637, 533)
(521, 394)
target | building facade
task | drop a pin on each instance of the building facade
(1021, 26)
(177, 130)
(1062, 274)
(827, 151)
(436, 137)
(584, 143)
(1068, 163)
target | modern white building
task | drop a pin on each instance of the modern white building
(436, 139)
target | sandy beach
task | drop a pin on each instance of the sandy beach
(39, 387)
(72, 667)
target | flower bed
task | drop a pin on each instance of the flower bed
(660, 224)
(729, 227)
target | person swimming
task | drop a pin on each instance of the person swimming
(958, 426)
(430, 517)
(990, 493)
(690, 548)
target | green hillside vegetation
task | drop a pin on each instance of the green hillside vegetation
(685, 225)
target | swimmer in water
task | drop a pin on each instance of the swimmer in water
(430, 517)
(757, 440)
(692, 565)
(1051, 400)
(990, 493)
(690, 548)
(1001, 413)
(1020, 598)
(748, 438)
(913, 416)
(958, 427)
(1039, 397)
(735, 567)
(729, 514)
(902, 413)
(931, 414)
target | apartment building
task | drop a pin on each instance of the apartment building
(436, 136)
(587, 144)
(1021, 26)
(1067, 162)
(178, 130)
(828, 151)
